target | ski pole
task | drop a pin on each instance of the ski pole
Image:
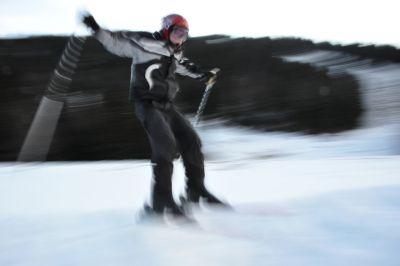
(209, 85)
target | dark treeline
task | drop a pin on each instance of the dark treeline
(256, 88)
(378, 53)
(259, 89)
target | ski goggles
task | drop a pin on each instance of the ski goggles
(180, 33)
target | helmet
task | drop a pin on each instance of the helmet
(174, 20)
(170, 21)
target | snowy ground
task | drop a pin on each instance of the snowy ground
(298, 200)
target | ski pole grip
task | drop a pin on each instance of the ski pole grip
(215, 70)
(214, 78)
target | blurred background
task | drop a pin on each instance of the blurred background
(301, 135)
(312, 71)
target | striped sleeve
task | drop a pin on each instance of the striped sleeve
(117, 43)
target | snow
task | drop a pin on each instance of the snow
(331, 199)
(223, 143)
(289, 210)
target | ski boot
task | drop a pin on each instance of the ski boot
(194, 195)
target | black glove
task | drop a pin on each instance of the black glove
(90, 22)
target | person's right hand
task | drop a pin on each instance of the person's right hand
(90, 22)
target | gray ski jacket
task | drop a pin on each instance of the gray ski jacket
(154, 63)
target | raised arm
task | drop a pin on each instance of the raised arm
(118, 43)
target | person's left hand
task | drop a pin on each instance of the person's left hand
(211, 75)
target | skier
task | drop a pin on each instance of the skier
(156, 57)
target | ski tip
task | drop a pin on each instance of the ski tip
(180, 221)
(147, 216)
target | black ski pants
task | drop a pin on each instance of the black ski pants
(169, 133)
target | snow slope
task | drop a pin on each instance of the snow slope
(331, 211)
(331, 199)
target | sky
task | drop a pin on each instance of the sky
(338, 21)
